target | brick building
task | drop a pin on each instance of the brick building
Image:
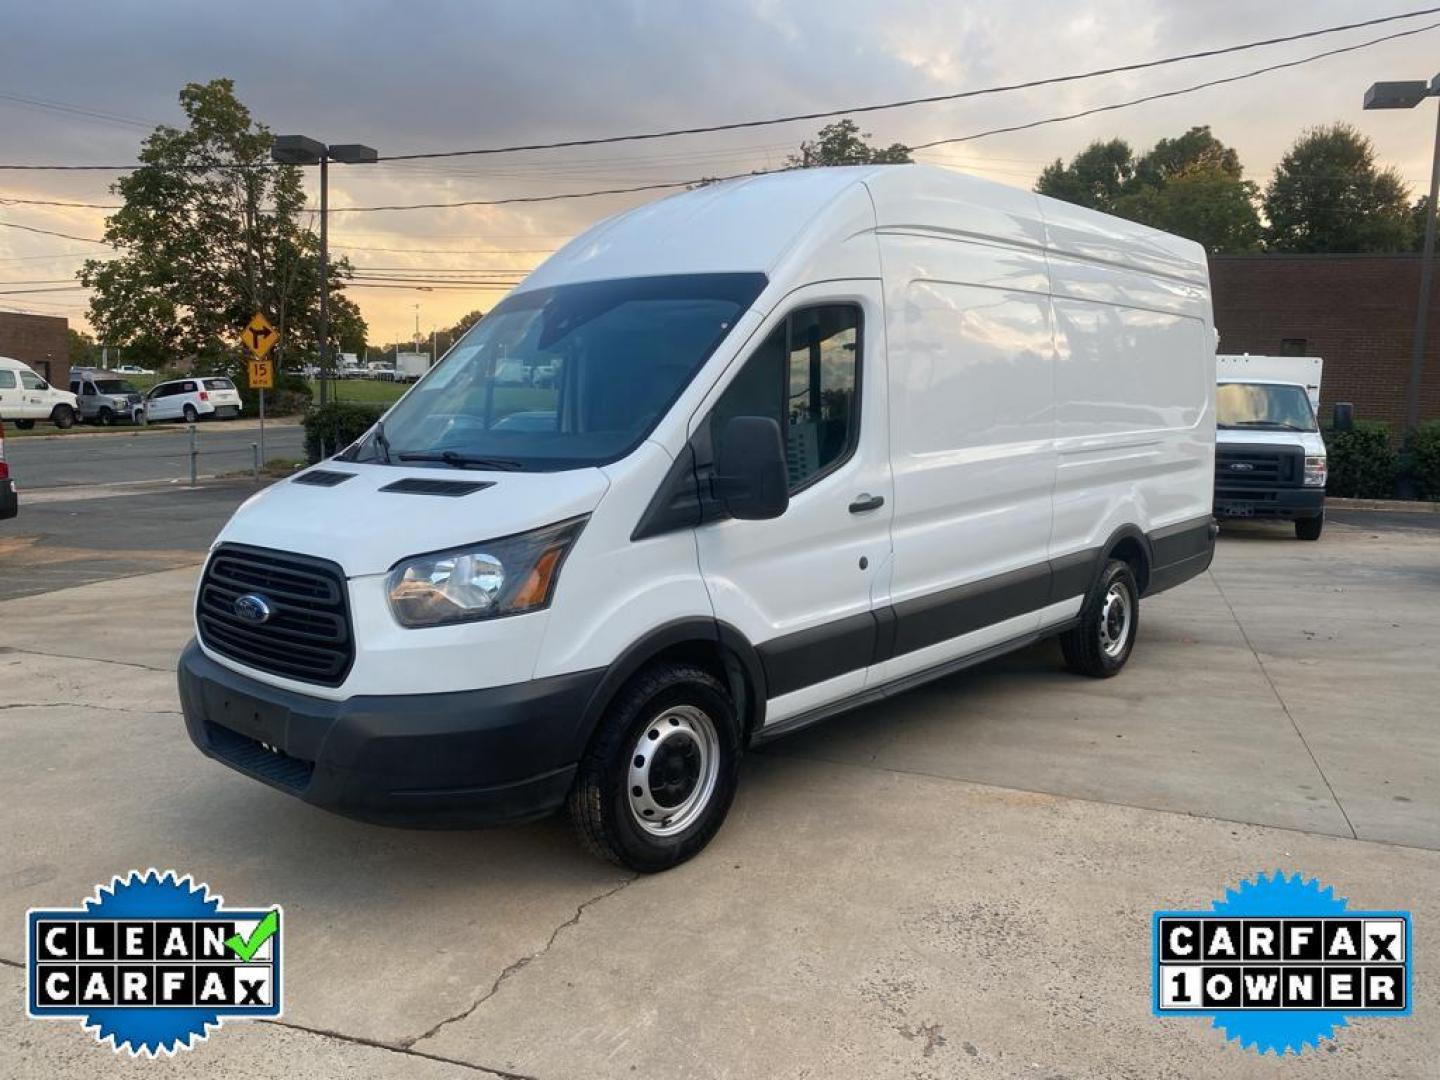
(1355, 311)
(42, 341)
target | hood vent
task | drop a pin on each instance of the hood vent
(322, 478)
(419, 485)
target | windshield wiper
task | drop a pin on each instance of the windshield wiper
(381, 442)
(457, 460)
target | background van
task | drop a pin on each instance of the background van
(806, 441)
(25, 397)
(210, 397)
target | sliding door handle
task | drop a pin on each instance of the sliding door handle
(867, 503)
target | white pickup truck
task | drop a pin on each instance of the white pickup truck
(1269, 456)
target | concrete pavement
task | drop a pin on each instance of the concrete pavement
(954, 883)
(160, 452)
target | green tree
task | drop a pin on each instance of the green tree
(1197, 150)
(1096, 177)
(843, 143)
(466, 321)
(211, 232)
(1329, 194)
(1208, 205)
(83, 350)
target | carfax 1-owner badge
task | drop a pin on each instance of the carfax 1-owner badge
(151, 962)
(1281, 962)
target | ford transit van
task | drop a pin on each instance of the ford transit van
(804, 441)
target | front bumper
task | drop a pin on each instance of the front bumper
(457, 760)
(1285, 504)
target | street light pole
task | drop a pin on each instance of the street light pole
(1407, 95)
(302, 150)
(1427, 276)
(324, 275)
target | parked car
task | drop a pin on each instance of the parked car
(105, 398)
(9, 503)
(823, 436)
(25, 398)
(190, 400)
(132, 369)
(1270, 460)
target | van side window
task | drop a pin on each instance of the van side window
(30, 381)
(805, 376)
(7, 380)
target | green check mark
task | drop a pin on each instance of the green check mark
(245, 948)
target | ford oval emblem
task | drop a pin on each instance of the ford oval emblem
(252, 609)
(1242, 466)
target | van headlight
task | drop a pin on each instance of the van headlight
(1315, 470)
(508, 576)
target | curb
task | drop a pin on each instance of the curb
(1404, 506)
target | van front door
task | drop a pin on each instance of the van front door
(802, 587)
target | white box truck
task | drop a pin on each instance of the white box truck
(811, 439)
(411, 366)
(1269, 455)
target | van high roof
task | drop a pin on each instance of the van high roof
(764, 223)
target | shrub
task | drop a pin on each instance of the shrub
(1424, 459)
(1361, 463)
(291, 396)
(331, 428)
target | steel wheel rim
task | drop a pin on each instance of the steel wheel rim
(1116, 615)
(674, 767)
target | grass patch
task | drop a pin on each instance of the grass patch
(362, 391)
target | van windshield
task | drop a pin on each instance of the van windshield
(564, 377)
(1276, 406)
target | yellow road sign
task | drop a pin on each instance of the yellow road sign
(262, 374)
(259, 336)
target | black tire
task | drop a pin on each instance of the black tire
(1105, 636)
(25, 425)
(62, 416)
(1310, 528)
(105, 417)
(603, 804)
(191, 415)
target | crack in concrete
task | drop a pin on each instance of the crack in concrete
(1275, 690)
(518, 965)
(397, 1048)
(85, 705)
(86, 659)
(7, 962)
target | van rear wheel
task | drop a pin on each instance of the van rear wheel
(25, 425)
(659, 776)
(1100, 644)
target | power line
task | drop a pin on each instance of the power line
(48, 232)
(75, 110)
(1177, 93)
(906, 103)
(852, 110)
(920, 146)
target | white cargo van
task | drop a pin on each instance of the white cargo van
(1269, 457)
(811, 439)
(25, 397)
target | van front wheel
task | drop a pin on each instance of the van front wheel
(1100, 644)
(659, 776)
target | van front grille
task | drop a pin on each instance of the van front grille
(1257, 466)
(304, 633)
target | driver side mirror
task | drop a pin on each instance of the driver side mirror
(751, 479)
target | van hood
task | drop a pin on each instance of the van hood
(1310, 440)
(367, 530)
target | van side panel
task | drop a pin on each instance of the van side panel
(1134, 384)
(972, 416)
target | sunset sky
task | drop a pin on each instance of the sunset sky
(84, 82)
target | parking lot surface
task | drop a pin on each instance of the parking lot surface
(954, 883)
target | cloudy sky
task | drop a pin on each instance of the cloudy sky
(427, 75)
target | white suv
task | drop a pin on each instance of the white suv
(25, 397)
(191, 399)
